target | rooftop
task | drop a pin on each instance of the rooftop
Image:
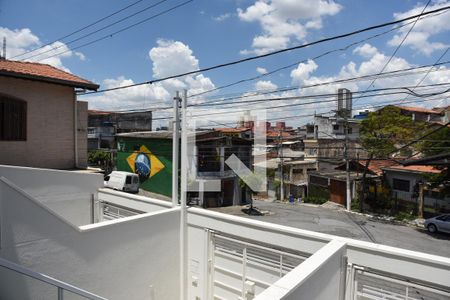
(419, 109)
(414, 169)
(43, 72)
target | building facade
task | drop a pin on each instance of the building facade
(41, 122)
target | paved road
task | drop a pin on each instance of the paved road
(341, 223)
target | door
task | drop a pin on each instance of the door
(337, 191)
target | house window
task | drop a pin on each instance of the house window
(400, 185)
(335, 127)
(349, 131)
(13, 119)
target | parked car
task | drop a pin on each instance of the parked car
(122, 181)
(439, 223)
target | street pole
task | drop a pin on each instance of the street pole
(421, 202)
(280, 143)
(176, 148)
(347, 169)
(183, 212)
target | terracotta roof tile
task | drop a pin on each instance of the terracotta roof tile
(419, 109)
(376, 165)
(43, 72)
(231, 130)
(422, 169)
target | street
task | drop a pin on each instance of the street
(342, 223)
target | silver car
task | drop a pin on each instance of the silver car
(439, 223)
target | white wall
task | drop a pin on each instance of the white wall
(409, 264)
(131, 258)
(66, 193)
(319, 277)
(260, 232)
(136, 202)
(411, 177)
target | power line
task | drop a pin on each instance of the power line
(306, 115)
(79, 30)
(429, 70)
(273, 52)
(121, 30)
(96, 31)
(262, 92)
(399, 45)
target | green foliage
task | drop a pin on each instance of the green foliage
(404, 216)
(435, 144)
(384, 130)
(355, 204)
(315, 200)
(318, 192)
(98, 157)
(276, 183)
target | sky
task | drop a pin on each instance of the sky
(176, 36)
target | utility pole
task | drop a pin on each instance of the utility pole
(347, 169)
(420, 210)
(183, 211)
(280, 154)
(176, 148)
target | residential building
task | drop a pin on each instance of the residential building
(41, 122)
(211, 150)
(103, 126)
(331, 183)
(404, 183)
(63, 235)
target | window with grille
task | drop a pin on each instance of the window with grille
(400, 185)
(13, 119)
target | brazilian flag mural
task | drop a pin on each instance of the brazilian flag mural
(151, 159)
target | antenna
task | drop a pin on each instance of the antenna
(4, 48)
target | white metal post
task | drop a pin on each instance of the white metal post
(176, 148)
(347, 169)
(183, 219)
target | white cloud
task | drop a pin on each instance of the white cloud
(261, 70)
(373, 62)
(222, 17)
(265, 85)
(19, 41)
(168, 58)
(284, 20)
(420, 38)
(172, 57)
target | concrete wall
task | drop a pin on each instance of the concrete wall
(50, 126)
(411, 177)
(131, 258)
(135, 202)
(66, 193)
(319, 277)
(401, 262)
(242, 228)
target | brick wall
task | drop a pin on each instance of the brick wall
(50, 135)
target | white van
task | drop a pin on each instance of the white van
(123, 181)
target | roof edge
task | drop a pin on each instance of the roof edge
(88, 86)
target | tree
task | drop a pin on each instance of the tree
(382, 133)
(435, 144)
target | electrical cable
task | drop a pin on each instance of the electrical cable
(94, 32)
(79, 30)
(239, 61)
(119, 31)
(399, 45)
